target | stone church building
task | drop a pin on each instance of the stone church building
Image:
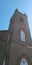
(15, 43)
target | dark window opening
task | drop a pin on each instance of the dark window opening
(21, 19)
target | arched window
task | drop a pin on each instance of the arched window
(22, 35)
(23, 62)
(4, 62)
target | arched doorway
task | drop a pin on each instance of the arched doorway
(23, 60)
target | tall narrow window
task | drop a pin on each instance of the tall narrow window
(23, 62)
(4, 62)
(22, 35)
(8, 38)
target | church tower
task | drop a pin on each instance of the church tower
(19, 46)
(20, 53)
(19, 27)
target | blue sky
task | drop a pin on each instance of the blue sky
(7, 8)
